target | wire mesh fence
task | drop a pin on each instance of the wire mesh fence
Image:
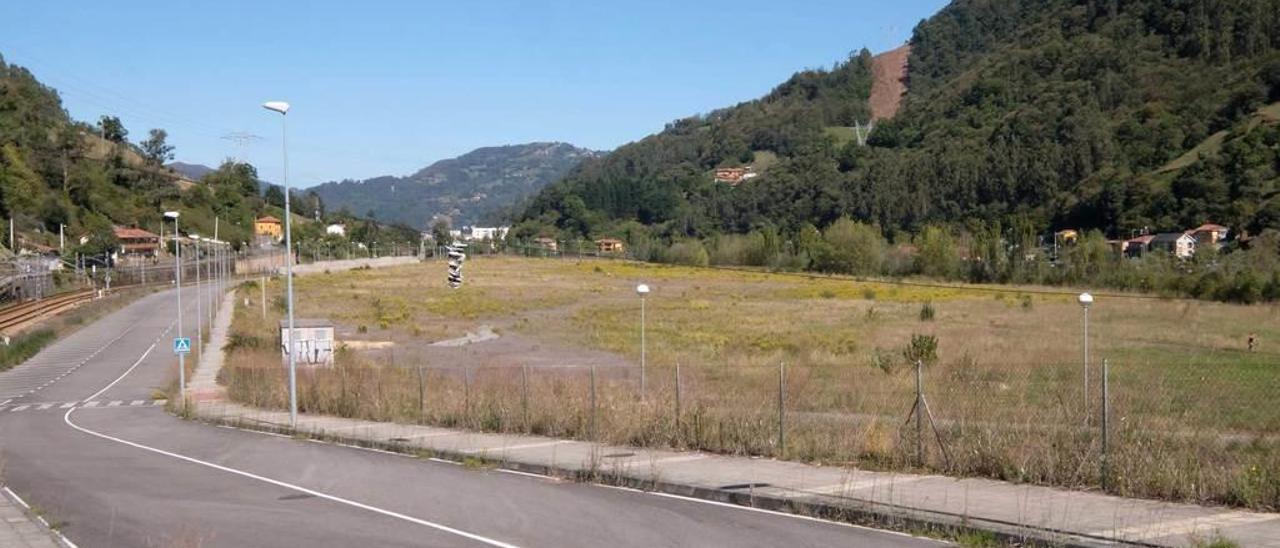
(1187, 432)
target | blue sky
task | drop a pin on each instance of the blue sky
(388, 87)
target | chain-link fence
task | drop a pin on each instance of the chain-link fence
(1179, 431)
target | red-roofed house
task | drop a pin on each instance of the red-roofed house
(1209, 234)
(136, 241)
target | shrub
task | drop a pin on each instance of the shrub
(922, 348)
(689, 252)
(927, 312)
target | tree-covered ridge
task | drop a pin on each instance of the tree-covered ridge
(1042, 114)
(57, 172)
(665, 178)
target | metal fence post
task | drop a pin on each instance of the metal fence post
(919, 413)
(782, 428)
(677, 400)
(524, 395)
(422, 395)
(466, 392)
(1106, 433)
(594, 432)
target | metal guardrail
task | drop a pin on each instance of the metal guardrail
(17, 315)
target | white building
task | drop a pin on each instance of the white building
(492, 233)
(313, 341)
(336, 229)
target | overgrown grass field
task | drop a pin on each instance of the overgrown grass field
(1192, 409)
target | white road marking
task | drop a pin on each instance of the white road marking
(19, 408)
(68, 405)
(91, 404)
(772, 512)
(136, 403)
(114, 403)
(44, 406)
(126, 371)
(66, 418)
(27, 507)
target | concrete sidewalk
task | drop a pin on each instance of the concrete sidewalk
(901, 500)
(20, 529)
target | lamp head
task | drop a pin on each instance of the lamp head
(1085, 299)
(276, 106)
(642, 289)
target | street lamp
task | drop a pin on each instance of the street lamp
(643, 291)
(195, 243)
(1086, 300)
(283, 108)
(177, 272)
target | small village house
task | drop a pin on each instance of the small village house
(137, 242)
(1179, 244)
(731, 175)
(1137, 247)
(609, 245)
(336, 229)
(1209, 235)
(268, 226)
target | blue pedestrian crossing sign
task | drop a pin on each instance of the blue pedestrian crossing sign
(182, 345)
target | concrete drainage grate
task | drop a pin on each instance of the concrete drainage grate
(738, 486)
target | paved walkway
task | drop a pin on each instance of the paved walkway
(1057, 515)
(18, 529)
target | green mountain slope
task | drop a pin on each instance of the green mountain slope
(57, 172)
(1039, 114)
(465, 189)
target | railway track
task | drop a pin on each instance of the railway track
(14, 317)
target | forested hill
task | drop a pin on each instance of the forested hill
(1034, 113)
(58, 172)
(466, 189)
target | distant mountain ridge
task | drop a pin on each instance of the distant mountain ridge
(464, 189)
(191, 171)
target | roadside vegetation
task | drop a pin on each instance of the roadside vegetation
(1191, 417)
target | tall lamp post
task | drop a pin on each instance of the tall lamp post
(177, 273)
(283, 108)
(643, 291)
(195, 243)
(1086, 300)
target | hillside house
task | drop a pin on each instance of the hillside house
(609, 245)
(137, 242)
(336, 229)
(1209, 234)
(1137, 247)
(1179, 244)
(269, 227)
(732, 175)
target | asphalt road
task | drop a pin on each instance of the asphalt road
(131, 475)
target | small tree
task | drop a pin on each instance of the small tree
(274, 196)
(112, 129)
(936, 253)
(440, 232)
(155, 148)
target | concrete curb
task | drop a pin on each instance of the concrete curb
(835, 508)
(55, 537)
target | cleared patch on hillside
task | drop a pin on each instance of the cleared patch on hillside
(889, 70)
(1212, 145)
